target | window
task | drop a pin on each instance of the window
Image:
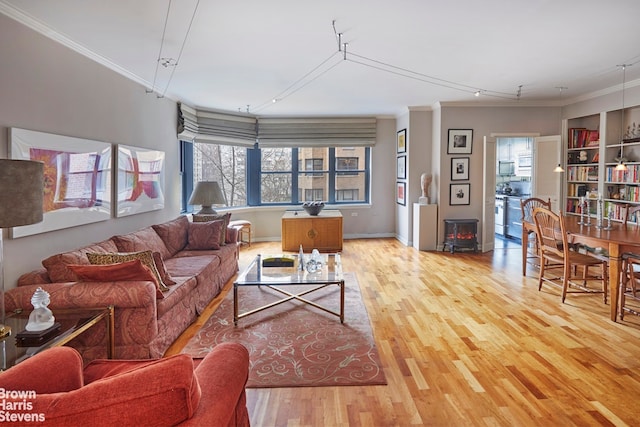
(276, 174)
(344, 195)
(312, 165)
(346, 164)
(226, 164)
(280, 175)
(313, 194)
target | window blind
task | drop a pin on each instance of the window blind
(309, 132)
(217, 128)
(231, 129)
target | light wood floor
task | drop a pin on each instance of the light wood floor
(465, 340)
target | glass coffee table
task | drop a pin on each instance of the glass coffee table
(73, 322)
(278, 278)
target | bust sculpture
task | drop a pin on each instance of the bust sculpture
(41, 317)
(425, 184)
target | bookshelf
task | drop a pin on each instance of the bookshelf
(594, 145)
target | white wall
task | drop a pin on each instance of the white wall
(49, 88)
(484, 121)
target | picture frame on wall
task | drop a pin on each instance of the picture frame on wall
(401, 193)
(401, 168)
(77, 175)
(401, 141)
(139, 180)
(459, 194)
(460, 141)
(459, 168)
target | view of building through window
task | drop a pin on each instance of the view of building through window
(321, 173)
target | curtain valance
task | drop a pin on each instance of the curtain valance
(231, 129)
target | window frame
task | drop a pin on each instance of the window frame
(254, 174)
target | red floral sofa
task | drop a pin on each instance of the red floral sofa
(56, 390)
(147, 319)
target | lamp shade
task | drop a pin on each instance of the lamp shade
(21, 192)
(205, 194)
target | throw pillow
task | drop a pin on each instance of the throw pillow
(174, 234)
(209, 217)
(113, 258)
(162, 269)
(204, 235)
(129, 270)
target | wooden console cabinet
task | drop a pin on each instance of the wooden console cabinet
(322, 232)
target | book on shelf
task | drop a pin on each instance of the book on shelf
(582, 137)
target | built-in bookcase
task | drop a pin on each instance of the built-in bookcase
(594, 146)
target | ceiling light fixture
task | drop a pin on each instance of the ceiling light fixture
(621, 159)
(558, 169)
(477, 93)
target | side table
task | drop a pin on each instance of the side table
(74, 322)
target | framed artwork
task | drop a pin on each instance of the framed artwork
(459, 168)
(401, 193)
(401, 169)
(459, 194)
(460, 141)
(77, 178)
(401, 141)
(140, 180)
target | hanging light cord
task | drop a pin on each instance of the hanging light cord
(164, 32)
(184, 41)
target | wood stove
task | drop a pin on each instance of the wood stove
(461, 234)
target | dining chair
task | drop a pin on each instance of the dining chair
(556, 254)
(630, 286)
(530, 253)
(630, 213)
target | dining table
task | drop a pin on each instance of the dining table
(611, 241)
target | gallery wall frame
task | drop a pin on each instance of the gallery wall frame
(139, 180)
(459, 194)
(401, 193)
(460, 141)
(77, 178)
(401, 141)
(459, 168)
(401, 167)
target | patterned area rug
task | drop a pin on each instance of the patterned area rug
(294, 344)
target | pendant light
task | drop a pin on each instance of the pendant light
(621, 166)
(558, 169)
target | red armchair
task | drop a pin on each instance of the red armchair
(53, 388)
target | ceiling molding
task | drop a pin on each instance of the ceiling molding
(49, 32)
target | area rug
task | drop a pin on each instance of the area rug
(294, 344)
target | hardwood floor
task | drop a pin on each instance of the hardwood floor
(465, 340)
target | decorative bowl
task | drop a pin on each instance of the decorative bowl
(313, 208)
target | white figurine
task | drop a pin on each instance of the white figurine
(41, 317)
(425, 184)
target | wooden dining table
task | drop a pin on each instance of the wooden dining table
(620, 239)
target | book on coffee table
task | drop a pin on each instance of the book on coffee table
(278, 261)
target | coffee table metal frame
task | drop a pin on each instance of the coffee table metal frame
(77, 320)
(276, 277)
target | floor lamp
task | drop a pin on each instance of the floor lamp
(21, 194)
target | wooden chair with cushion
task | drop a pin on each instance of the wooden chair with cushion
(530, 254)
(560, 265)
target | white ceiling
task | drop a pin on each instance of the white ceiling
(239, 55)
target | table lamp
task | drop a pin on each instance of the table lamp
(21, 196)
(205, 194)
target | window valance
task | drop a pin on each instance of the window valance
(231, 129)
(326, 132)
(216, 128)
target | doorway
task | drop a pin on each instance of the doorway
(514, 161)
